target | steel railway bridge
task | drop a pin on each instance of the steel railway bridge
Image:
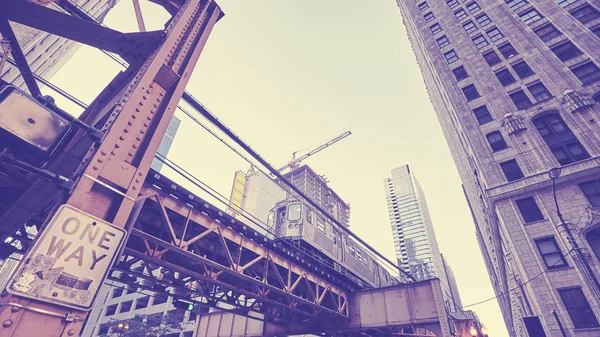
(175, 242)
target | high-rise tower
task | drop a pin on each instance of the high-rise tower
(416, 247)
(45, 52)
(516, 86)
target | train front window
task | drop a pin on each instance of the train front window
(280, 215)
(295, 212)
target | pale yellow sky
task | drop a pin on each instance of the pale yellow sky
(285, 75)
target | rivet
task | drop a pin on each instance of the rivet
(130, 154)
(137, 109)
(146, 125)
(100, 160)
(139, 139)
(121, 138)
(129, 123)
(140, 174)
(133, 188)
(133, 116)
(117, 146)
(142, 132)
(95, 168)
(126, 130)
(71, 332)
(103, 153)
(135, 146)
(149, 118)
(137, 180)
(15, 309)
(7, 323)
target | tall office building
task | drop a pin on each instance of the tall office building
(516, 86)
(45, 52)
(166, 142)
(415, 244)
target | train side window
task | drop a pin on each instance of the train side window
(351, 248)
(281, 215)
(359, 255)
(294, 212)
(321, 224)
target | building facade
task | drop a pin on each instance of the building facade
(516, 85)
(47, 53)
(415, 244)
(117, 303)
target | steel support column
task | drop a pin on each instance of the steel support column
(137, 113)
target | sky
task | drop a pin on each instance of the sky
(288, 75)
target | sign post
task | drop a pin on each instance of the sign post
(68, 263)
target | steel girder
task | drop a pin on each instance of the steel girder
(210, 262)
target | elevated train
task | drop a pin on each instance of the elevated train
(295, 221)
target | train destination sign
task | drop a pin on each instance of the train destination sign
(68, 262)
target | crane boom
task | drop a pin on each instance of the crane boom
(294, 162)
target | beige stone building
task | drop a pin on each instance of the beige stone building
(516, 86)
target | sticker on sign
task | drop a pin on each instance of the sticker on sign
(68, 262)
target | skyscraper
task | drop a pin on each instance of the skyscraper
(416, 247)
(516, 86)
(45, 52)
(166, 142)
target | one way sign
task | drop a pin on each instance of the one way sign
(69, 261)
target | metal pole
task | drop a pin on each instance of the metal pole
(560, 326)
(574, 242)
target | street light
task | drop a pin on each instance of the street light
(473, 331)
(555, 173)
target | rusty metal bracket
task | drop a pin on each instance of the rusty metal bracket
(19, 57)
(66, 317)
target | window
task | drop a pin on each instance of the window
(564, 3)
(505, 77)
(591, 189)
(559, 138)
(470, 92)
(539, 92)
(104, 328)
(483, 20)
(566, 51)
(460, 73)
(295, 212)
(587, 73)
(496, 141)
(160, 299)
(423, 6)
(429, 17)
(111, 310)
(480, 41)
(516, 4)
(551, 254)
(596, 97)
(473, 7)
(529, 210)
(522, 69)
(507, 50)
(452, 3)
(547, 32)
(469, 27)
(443, 41)
(596, 31)
(125, 306)
(530, 16)
(492, 58)
(521, 100)
(585, 14)
(436, 28)
(593, 239)
(460, 14)
(511, 170)
(483, 115)
(451, 56)
(494, 34)
(141, 302)
(578, 307)
(117, 292)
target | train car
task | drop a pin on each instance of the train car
(295, 221)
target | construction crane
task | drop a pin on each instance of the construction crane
(292, 164)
